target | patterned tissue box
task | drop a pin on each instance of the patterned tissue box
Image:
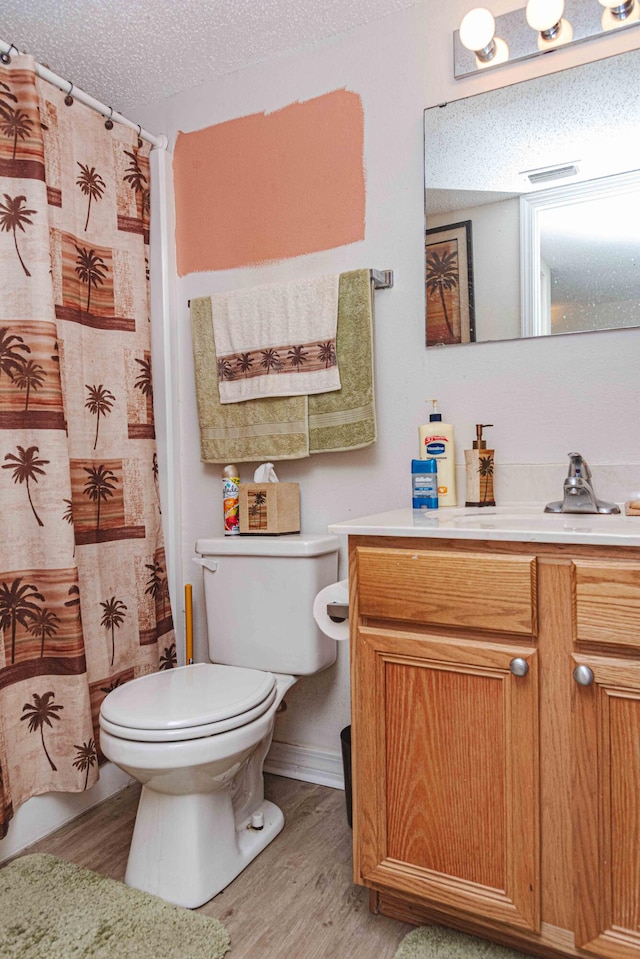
(269, 507)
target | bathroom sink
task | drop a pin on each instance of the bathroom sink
(525, 519)
(515, 521)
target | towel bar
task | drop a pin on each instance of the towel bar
(382, 280)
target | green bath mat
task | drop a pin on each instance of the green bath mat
(436, 942)
(51, 909)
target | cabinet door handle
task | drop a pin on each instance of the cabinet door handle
(519, 666)
(583, 675)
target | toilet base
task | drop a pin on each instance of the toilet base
(187, 848)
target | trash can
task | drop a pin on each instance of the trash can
(345, 740)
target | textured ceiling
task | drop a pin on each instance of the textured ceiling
(130, 52)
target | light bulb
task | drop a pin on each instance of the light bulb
(477, 29)
(543, 15)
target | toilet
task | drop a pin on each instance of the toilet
(196, 737)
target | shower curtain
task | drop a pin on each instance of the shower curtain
(84, 602)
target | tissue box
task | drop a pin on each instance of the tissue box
(269, 507)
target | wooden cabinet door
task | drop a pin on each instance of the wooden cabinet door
(606, 813)
(445, 742)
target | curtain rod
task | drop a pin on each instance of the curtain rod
(158, 142)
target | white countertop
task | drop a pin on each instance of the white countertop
(518, 523)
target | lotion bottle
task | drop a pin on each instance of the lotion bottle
(479, 471)
(436, 442)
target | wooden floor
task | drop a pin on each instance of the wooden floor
(296, 899)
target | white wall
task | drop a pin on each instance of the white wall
(544, 397)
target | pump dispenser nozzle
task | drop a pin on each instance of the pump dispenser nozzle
(479, 443)
(434, 416)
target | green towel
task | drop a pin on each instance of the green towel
(274, 428)
(345, 419)
(291, 427)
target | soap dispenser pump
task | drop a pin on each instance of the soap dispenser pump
(479, 464)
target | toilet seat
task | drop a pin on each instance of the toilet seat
(189, 702)
(190, 732)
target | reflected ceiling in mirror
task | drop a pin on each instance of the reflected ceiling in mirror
(522, 188)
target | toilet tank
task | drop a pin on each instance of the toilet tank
(259, 594)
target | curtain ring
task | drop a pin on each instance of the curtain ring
(139, 136)
(6, 57)
(69, 99)
(108, 123)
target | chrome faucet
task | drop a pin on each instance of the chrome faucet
(578, 492)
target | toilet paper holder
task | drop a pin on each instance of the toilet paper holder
(338, 612)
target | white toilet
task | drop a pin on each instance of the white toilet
(196, 737)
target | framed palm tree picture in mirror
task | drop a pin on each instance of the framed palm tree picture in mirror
(449, 285)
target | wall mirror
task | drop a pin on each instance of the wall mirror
(532, 207)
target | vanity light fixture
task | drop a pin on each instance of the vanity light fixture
(484, 41)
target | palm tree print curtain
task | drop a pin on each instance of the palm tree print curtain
(84, 603)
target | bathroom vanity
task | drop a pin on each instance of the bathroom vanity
(495, 662)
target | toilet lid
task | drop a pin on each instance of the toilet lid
(189, 696)
(190, 732)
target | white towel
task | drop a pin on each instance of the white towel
(277, 340)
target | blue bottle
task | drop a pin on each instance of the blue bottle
(424, 483)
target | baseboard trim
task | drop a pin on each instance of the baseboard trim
(42, 815)
(311, 765)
